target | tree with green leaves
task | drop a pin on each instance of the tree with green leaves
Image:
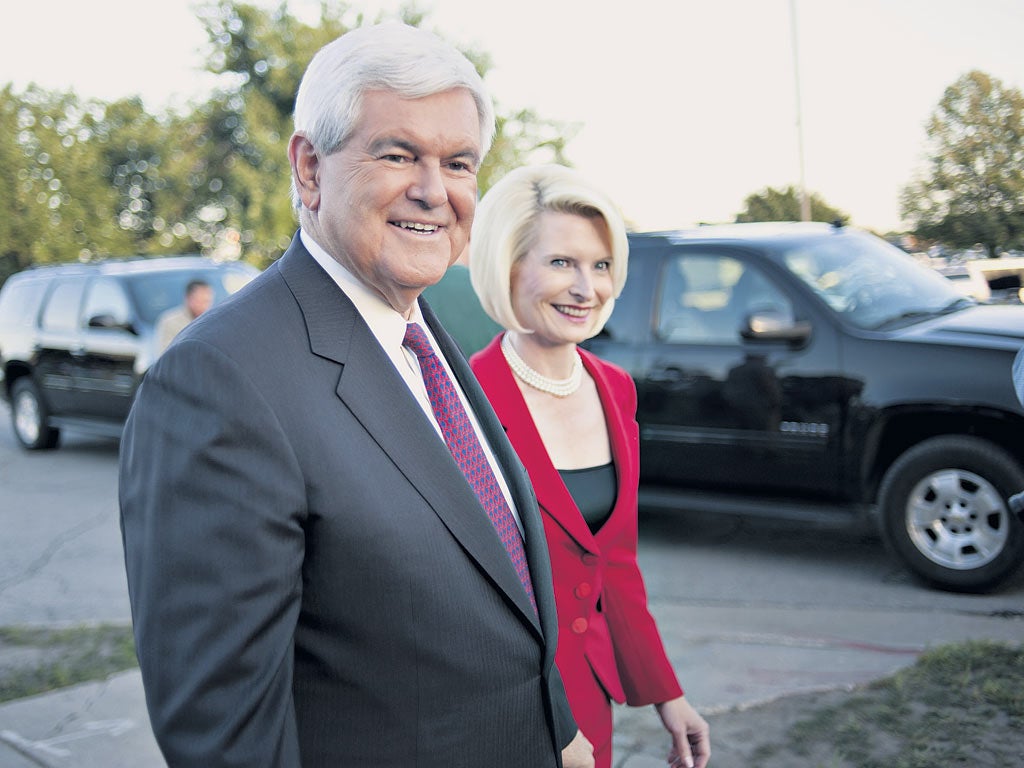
(973, 189)
(262, 55)
(771, 204)
(18, 228)
(58, 206)
(85, 180)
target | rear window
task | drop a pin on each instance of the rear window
(20, 301)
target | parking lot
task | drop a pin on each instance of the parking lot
(750, 610)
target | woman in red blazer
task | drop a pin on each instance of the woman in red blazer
(548, 255)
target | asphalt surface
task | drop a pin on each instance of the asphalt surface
(750, 613)
(735, 658)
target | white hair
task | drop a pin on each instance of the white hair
(408, 61)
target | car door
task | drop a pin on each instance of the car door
(58, 343)
(721, 409)
(105, 376)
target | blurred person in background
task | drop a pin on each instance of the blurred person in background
(198, 299)
(548, 257)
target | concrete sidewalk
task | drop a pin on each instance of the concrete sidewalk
(85, 726)
(729, 659)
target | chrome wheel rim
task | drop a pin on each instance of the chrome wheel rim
(26, 417)
(957, 519)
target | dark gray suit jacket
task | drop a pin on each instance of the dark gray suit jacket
(312, 580)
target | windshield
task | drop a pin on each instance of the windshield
(871, 283)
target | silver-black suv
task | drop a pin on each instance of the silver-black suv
(817, 372)
(76, 340)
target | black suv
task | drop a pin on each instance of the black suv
(75, 340)
(817, 372)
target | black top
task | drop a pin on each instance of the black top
(594, 489)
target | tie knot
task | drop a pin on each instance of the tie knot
(416, 340)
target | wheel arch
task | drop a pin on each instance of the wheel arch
(901, 428)
(12, 372)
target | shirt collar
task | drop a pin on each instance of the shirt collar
(386, 323)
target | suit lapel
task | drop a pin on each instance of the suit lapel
(552, 494)
(626, 456)
(375, 394)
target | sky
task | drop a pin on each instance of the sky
(682, 108)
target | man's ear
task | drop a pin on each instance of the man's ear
(305, 170)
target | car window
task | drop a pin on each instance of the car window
(19, 303)
(708, 298)
(106, 298)
(62, 308)
(157, 292)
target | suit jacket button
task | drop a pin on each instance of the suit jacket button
(583, 590)
(579, 626)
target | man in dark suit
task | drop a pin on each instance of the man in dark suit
(314, 580)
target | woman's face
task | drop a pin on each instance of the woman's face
(560, 285)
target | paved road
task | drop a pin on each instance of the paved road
(60, 551)
(750, 610)
(728, 585)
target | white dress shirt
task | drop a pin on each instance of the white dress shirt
(388, 327)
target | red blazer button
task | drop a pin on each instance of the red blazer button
(579, 626)
(583, 590)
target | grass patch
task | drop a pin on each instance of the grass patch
(36, 660)
(959, 705)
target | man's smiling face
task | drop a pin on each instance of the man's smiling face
(395, 204)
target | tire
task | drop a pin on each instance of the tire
(944, 513)
(30, 416)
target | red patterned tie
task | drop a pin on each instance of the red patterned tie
(466, 450)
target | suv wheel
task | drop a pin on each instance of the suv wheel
(29, 415)
(944, 512)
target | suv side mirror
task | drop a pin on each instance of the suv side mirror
(773, 325)
(109, 322)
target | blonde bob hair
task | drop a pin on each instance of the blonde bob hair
(505, 229)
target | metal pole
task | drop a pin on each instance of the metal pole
(805, 202)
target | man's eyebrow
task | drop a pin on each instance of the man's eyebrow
(391, 142)
(466, 154)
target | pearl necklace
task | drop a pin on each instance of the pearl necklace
(526, 374)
